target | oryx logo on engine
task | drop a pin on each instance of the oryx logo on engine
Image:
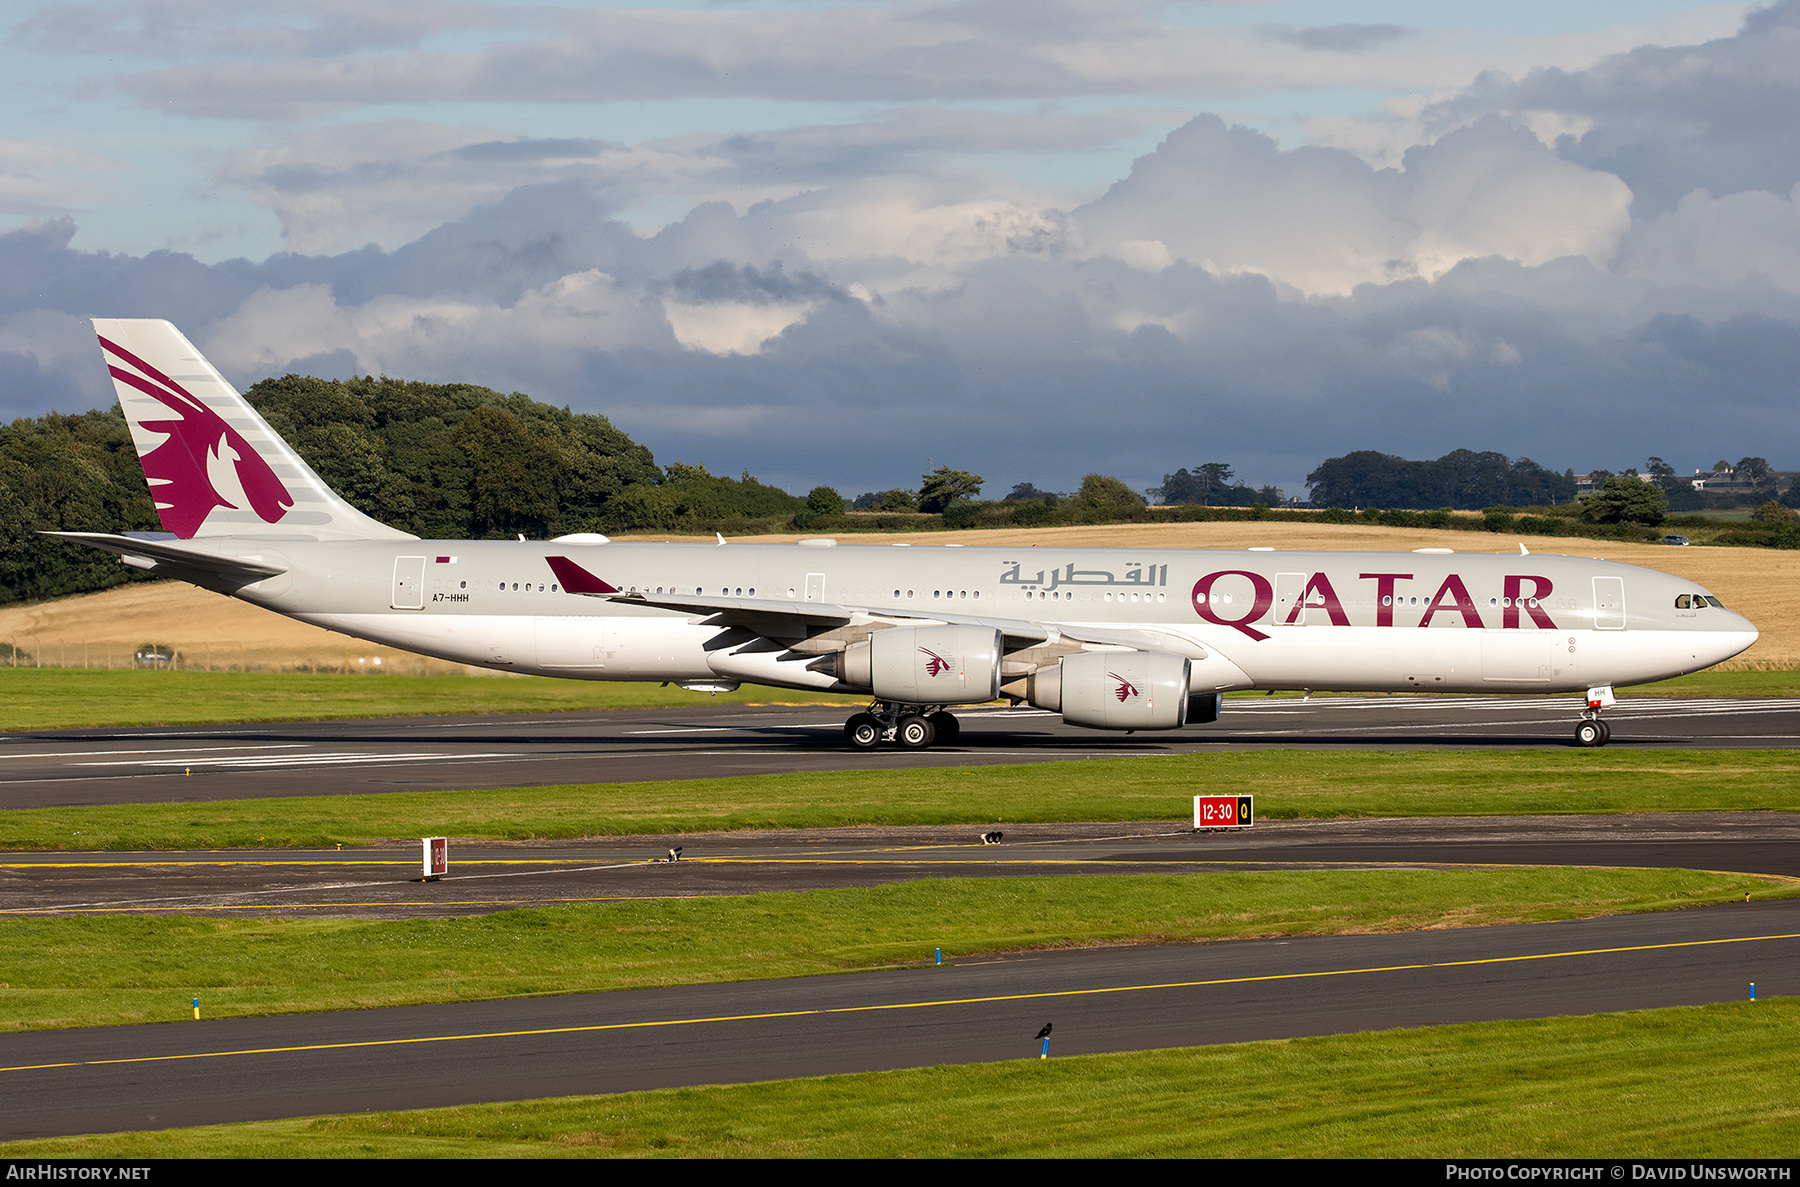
(1126, 689)
(937, 665)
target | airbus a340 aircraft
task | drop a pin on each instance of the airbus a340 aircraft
(1114, 639)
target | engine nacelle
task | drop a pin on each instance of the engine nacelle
(926, 665)
(1115, 690)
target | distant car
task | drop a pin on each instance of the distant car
(1676, 540)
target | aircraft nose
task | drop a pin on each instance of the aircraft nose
(1735, 638)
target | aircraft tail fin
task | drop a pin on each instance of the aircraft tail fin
(214, 466)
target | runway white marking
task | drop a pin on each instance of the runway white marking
(292, 760)
(751, 727)
(158, 750)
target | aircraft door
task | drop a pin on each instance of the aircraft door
(1609, 603)
(571, 644)
(1517, 657)
(409, 583)
(815, 587)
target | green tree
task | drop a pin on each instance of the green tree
(516, 476)
(822, 500)
(944, 486)
(1626, 500)
(1756, 469)
(899, 499)
(1108, 498)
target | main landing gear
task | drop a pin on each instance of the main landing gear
(1592, 731)
(911, 727)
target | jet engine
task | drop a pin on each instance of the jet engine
(1115, 690)
(927, 665)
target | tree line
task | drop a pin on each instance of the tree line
(458, 461)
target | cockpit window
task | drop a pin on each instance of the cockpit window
(1684, 601)
(1712, 601)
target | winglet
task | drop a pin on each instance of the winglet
(1523, 551)
(576, 579)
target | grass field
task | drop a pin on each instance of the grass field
(1287, 783)
(73, 698)
(1696, 1082)
(70, 698)
(111, 969)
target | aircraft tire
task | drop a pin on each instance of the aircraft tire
(915, 733)
(1605, 732)
(1590, 733)
(863, 732)
(946, 725)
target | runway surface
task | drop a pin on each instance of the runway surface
(114, 766)
(384, 883)
(1111, 999)
(63, 1082)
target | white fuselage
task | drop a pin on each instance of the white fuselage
(1439, 622)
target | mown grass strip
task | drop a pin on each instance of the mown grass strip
(1692, 1082)
(73, 698)
(101, 970)
(1287, 783)
(1773, 683)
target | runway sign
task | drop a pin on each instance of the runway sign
(1224, 811)
(434, 857)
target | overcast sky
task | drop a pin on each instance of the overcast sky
(840, 242)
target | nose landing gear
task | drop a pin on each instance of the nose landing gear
(911, 727)
(1592, 731)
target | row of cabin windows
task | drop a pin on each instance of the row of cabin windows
(502, 587)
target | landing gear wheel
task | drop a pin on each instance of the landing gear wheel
(863, 732)
(1605, 731)
(946, 725)
(1590, 733)
(915, 733)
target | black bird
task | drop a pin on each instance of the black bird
(1044, 1033)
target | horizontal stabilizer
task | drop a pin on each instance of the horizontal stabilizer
(176, 554)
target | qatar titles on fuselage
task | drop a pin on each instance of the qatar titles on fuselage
(246, 517)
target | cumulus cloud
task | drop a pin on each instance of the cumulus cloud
(1490, 269)
(388, 182)
(1668, 120)
(1746, 239)
(1322, 221)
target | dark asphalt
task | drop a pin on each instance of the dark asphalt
(383, 883)
(1100, 1000)
(147, 765)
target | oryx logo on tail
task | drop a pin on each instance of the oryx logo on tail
(202, 462)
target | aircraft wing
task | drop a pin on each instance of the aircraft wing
(175, 554)
(784, 619)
